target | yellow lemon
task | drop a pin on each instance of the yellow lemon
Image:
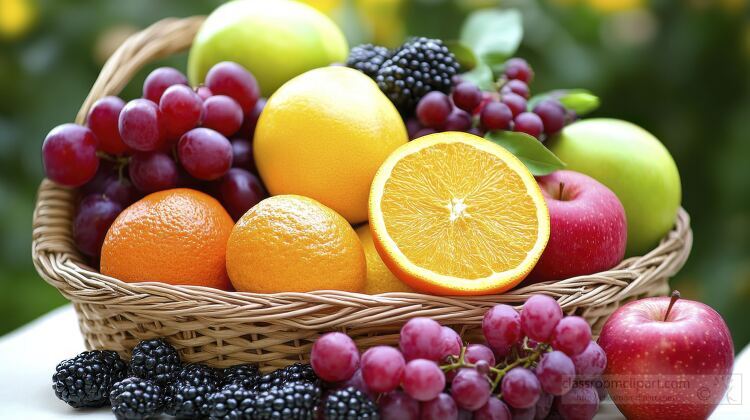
(323, 135)
(379, 277)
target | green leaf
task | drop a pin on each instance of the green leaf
(465, 56)
(581, 101)
(481, 76)
(493, 34)
(529, 150)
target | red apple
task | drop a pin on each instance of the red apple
(667, 358)
(588, 232)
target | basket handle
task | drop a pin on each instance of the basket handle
(162, 39)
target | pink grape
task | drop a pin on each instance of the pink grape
(494, 409)
(423, 380)
(159, 80)
(231, 79)
(397, 405)
(334, 357)
(203, 92)
(581, 403)
(382, 368)
(571, 335)
(121, 191)
(539, 317)
(240, 191)
(94, 217)
(204, 153)
(556, 373)
(543, 406)
(529, 123)
(242, 155)
(591, 361)
(421, 338)
(222, 114)
(442, 407)
(501, 327)
(495, 116)
(103, 120)
(519, 69)
(523, 413)
(154, 171)
(601, 390)
(467, 96)
(477, 352)
(470, 389)
(520, 388)
(181, 110)
(516, 86)
(69, 155)
(433, 109)
(465, 414)
(450, 343)
(140, 125)
(251, 119)
(516, 103)
(358, 382)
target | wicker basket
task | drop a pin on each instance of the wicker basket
(227, 328)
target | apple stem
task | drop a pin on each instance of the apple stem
(675, 296)
(560, 193)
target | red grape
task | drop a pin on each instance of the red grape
(140, 125)
(501, 327)
(601, 390)
(581, 403)
(495, 116)
(423, 380)
(487, 97)
(442, 407)
(251, 119)
(159, 80)
(543, 406)
(477, 352)
(412, 126)
(529, 123)
(477, 131)
(494, 409)
(382, 368)
(556, 373)
(520, 387)
(516, 86)
(181, 110)
(527, 413)
(591, 361)
(334, 357)
(203, 92)
(451, 343)
(515, 102)
(69, 155)
(103, 119)
(458, 120)
(465, 414)
(421, 338)
(240, 191)
(104, 175)
(467, 96)
(121, 190)
(204, 153)
(424, 132)
(358, 382)
(552, 115)
(242, 155)
(231, 79)
(539, 317)
(571, 335)
(398, 406)
(470, 389)
(152, 172)
(519, 69)
(433, 109)
(94, 217)
(222, 114)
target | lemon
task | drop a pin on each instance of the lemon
(323, 135)
(276, 40)
(379, 277)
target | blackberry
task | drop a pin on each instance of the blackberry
(350, 404)
(155, 359)
(419, 66)
(297, 372)
(85, 380)
(292, 401)
(368, 58)
(232, 402)
(135, 398)
(187, 397)
(245, 375)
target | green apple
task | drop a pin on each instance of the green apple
(632, 163)
(275, 40)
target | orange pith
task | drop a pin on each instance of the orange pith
(452, 213)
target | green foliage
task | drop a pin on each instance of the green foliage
(537, 158)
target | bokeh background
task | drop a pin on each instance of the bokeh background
(678, 68)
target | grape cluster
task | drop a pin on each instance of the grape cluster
(535, 364)
(469, 109)
(174, 136)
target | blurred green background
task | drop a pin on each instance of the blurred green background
(678, 68)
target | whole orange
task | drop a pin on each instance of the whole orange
(290, 243)
(175, 236)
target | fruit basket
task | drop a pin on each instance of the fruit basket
(223, 328)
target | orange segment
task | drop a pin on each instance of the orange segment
(452, 213)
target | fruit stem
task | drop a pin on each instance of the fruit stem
(560, 192)
(675, 296)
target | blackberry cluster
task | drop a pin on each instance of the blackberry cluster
(350, 404)
(188, 396)
(419, 66)
(232, 402)
(297, 372)
(368, 58)
(156, 360)
(86, 380)
(292, 401)
(246, 376)
(135, 398)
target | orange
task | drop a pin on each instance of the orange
(452, 213)
(290, 243)
(379, 277)
(175, 236)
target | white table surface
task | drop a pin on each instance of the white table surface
(28, 357)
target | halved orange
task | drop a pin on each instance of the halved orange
(454, 214)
